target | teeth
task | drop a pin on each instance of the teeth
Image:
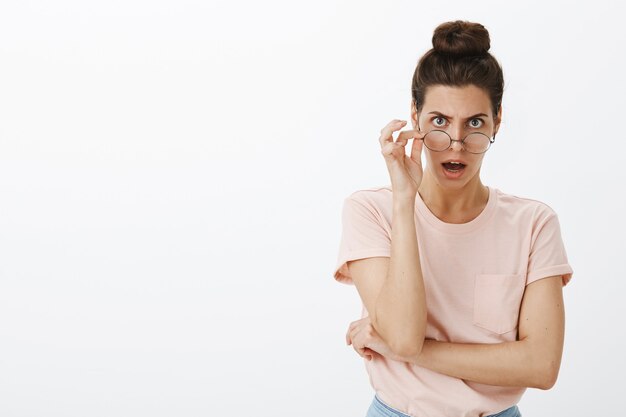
(457, 163)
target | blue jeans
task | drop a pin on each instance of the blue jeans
(380, 409)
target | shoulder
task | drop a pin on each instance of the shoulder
(374, 203)
(377, 197)
(522, 207)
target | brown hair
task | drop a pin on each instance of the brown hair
(459, 57)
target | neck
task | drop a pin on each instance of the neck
(453, 201)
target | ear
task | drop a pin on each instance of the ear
(414, 115)
(498, 120)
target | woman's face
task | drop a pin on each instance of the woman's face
(458, 111)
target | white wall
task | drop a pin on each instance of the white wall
(171, 179)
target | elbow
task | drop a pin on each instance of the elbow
(403, 339)
(546, 377)
(546, 383)
(410, 347)
(541, 367)
(411, 353)
(409, 350)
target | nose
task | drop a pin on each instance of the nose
(456, 145)
(457, 133)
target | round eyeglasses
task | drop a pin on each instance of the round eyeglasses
(476, 142)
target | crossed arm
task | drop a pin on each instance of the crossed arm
(531, 361)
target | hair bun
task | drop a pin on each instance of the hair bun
(461, 38)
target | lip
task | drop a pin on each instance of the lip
(453, 175)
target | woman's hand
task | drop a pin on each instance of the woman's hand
(405, 172)
(367, 342)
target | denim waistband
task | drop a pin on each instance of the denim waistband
(379, 409)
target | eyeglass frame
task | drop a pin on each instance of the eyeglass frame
(491, 141)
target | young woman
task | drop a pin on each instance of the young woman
(461, 283)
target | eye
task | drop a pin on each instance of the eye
(479, 124)
(438, 118)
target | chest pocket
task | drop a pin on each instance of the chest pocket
(497, 300)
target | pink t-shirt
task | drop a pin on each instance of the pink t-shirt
(474, 274)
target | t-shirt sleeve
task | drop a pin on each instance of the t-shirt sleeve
(363, 235)
(547, 254)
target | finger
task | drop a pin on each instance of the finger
(402, 140)
(386, 134)
(351, 329)
(405, 135)
(352, 335)
(357, 343)
(393, 149)
(353, 325)
(367, 353)
(356, 348)
(388, 149)
(416, 150)
(361, 352)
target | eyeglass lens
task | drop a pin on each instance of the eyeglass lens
(437, 140)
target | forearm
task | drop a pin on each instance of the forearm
(400, 313)
(503, 364)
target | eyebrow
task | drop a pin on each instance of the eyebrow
(452, 118)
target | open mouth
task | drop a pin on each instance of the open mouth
(453, 166)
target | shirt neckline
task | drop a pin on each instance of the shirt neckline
(457, 228)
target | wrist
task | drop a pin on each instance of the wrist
(404, 201)
(420, 358)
